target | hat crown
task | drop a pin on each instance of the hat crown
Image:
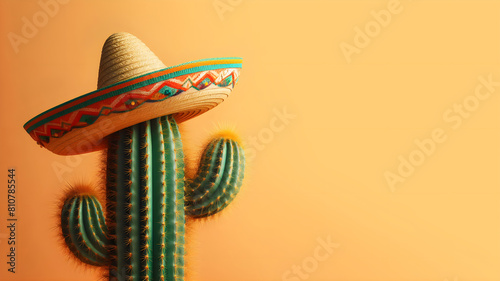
(123, 57)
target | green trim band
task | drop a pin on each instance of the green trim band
(127, 89)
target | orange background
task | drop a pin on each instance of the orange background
(322, 174)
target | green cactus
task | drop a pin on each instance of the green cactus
(142, 237)
(218, 180)
(84, 229)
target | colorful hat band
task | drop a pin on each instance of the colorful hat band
(131, 94)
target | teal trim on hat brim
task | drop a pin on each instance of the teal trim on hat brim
(130, 88)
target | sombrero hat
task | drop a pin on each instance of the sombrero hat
(133, 86)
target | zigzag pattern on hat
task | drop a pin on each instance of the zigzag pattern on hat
(129, 101)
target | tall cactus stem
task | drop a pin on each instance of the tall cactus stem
(147, 198)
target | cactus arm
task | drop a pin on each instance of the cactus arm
(219, 178)
(92, 231)
(210, 166)
(81, 229)
(98, 221)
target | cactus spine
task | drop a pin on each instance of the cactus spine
(143, 234)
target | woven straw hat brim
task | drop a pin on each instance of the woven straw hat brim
(134, 86)
(79, 126)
